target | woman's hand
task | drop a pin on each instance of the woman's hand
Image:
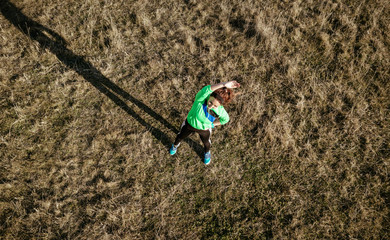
(232, 84)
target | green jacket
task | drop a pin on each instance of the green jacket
(197, 115)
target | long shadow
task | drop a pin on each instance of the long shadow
(53, 42)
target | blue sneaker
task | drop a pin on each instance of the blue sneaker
(173, 150)
(207, 158)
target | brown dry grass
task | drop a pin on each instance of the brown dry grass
(92, 93)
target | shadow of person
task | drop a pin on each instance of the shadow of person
(53, 42)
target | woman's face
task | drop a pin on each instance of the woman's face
(213, 103)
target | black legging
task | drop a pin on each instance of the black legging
(187, 129)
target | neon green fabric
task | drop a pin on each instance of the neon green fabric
(196, 117)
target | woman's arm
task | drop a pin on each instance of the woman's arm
(230, 84)
(223, 117)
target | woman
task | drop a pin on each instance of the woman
(201, 120)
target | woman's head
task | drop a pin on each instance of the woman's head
(221, 96)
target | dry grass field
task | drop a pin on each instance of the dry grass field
(92, 94)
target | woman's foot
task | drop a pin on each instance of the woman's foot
(173, 149)
(207, 158)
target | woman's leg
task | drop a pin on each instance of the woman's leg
(205, 137)
(185, 131)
